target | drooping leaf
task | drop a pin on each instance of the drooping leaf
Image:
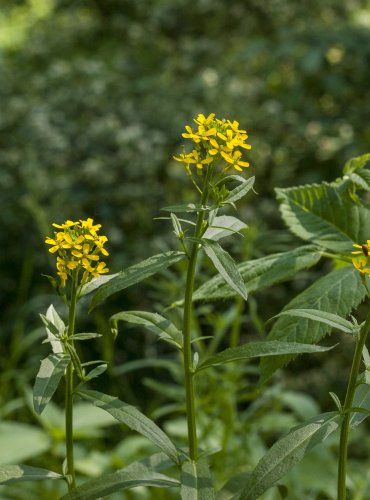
(222, 226)
(154, 322)
(196, 481)
(226, 266)
(259, 274)
(259, 349)
(134, 419)
(330, 319)
(136, 474)
(135, 274)
(14, 473)
(324, 215)
(339, 292)
(47, 380)
(286, 453)
(361, 400)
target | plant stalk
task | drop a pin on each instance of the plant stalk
(352, 384)
(69, 389)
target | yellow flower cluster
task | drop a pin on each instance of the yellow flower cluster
(78, 246)
(362, 258)
(215, 139)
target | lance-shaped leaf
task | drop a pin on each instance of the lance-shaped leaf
(339, 292)
(226, 266)
(196, 481)
(14, 473)
(153, 322)
(222, 226)
(188, 208)
(135, 274)
(55, 327)
(324, 214)
(330, 319)
(361, 401)
(240, 191)
(286, 453)
(136, 474)
(259, 349)
(262, 273)
(51, 371)
(134, 419)
(95, 283)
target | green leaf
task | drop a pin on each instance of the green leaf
(154, 322)
(134, 475)
(55, 328)
(262, 273)
(14, 473)
(134, 419)
(223, 226)
(85, 336)
(51, 371)
(95, 283)
(96, 372)
(226, 266)
(339, 292)
(232, 486)
(135, 274)
(241, 190)
(259, 349)
(361, 400)
(20, 442)
(330, 319)
(356, 163)
(325, 215)
(196, 482)
(287, 452)
(187, 208)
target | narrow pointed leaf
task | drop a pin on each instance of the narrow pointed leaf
(154, 322)
(85, 336)
(259, 349)
(222, 226)
(187, 208)
(196, 482)
(286, 453)
(361, 400)
(54, 327)
(14, 473)
(135, 274)
(96, 372)
(134, 475)
(95, 283)
(134, 419)
(330, 319)
(226, 266)
(241, 190)
(51, 371)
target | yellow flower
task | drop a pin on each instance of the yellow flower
(234, 160)
(78, 245)
(361, 258)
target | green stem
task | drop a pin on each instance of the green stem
(352, 384)
(188, 313)
(69, 388)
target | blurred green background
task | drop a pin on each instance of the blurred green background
(94, 96)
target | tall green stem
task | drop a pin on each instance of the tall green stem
(69, 388)
(188, 313)
(352, 384)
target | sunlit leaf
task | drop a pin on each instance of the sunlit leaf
(196, 481)
(51, 371)
(330, 319)
(14, 473)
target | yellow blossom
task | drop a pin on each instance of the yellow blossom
(361, 258)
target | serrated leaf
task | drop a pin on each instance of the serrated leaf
(286, 453)
(134, 475)
(324, 215)
(356, 163)
(134, 419)
(262, 273)
(154, 322)
(47, 380)
(339, 292)
(222, 226)
(196, 481)
(360, 400)
(135, 274)
(259, 349)
(187, 208)
(14, 473)
(241, 190)
(330, 319)
(226, 266)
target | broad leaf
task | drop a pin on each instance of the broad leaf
(226, 266)
(134, 419)
(20, 442)
(15, 473)
(261, 273)
(325, 215)
(51, 371)
(196, 482)
(330, 319)
(259, 349)
(135, 274)
(134, 475)
(339, 292)
(154, 322)
(361, 400)
(286, 453)
(222, 226)
(356, 163)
